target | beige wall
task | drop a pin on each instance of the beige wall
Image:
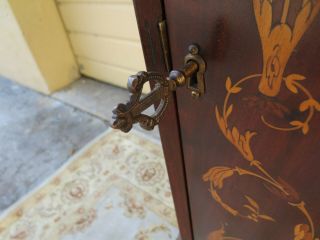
(105, 38)
(35, 50)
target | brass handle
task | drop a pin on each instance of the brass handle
(192, 75)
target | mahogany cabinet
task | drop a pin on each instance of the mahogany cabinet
(243, 153)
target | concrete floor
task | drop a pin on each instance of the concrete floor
(39, 133)
(98, 99)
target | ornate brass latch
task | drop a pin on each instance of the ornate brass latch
(191, 76)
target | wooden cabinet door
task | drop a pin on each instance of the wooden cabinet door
(251, 144)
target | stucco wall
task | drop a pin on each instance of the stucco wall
(35, 50)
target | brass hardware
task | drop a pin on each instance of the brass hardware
(191, 75)
(196, 83)
(165, 43)
(195, 94)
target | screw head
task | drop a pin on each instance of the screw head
(195, 94)
(193, 49)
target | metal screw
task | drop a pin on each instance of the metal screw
(195, 94)
(193, 49)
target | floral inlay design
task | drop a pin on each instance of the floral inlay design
(220, 234)
(218, 174)
(310, 105)
(278, 42)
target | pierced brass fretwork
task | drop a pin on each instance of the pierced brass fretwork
(191, 75)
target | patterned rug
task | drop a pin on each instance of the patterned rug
(115, 189)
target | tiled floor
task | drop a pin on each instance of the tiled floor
(39, 133)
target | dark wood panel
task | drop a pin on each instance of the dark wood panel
(268, 187)
(149, 14)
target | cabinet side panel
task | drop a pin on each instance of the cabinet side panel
(149, 14)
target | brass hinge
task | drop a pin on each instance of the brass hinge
(165, 43)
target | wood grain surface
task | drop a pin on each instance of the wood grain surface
(149, 14)
(251, 143)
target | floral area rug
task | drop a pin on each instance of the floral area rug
(115, 189)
